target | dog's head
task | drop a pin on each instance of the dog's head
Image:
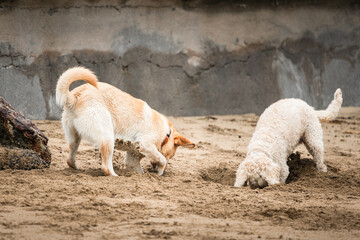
(175, 140)
(257, 171)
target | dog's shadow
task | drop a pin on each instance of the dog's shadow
(97, 172)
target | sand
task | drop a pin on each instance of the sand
(195, 198)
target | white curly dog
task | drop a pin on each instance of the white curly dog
(281, 127)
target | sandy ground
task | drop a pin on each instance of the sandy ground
(195, 198)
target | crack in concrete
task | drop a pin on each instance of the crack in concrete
(200, 70)
(171, 66)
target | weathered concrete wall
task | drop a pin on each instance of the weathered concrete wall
(183, 57)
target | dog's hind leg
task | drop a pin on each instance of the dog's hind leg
(73, 150)
(73, 140)
(107, 149)
(313, 140)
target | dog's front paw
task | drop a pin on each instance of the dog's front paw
(322, 168)
(238, 184)
(72, 164)
(160, 173)
(157, 167)
(161, 169)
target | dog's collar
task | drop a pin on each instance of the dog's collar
(166, 139)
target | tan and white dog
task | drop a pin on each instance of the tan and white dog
(281, 127)
(100, 113)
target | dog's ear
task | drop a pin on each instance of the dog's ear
(272, 174)
(183, 142)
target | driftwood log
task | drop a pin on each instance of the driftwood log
(22, 144)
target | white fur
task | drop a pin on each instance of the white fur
(281, 127)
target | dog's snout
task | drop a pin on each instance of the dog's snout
(257, 183)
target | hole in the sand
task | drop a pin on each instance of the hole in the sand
(224, 174)
(303, 168)
(299, 167)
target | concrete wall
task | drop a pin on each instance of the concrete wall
(183, 57)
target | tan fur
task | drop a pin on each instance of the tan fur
(65, 80)
(69, 162)
(105, 152)
(101, 113)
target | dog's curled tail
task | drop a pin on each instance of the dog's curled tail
(333, 109)
(63, 96)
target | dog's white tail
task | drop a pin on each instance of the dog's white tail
(333, 109)
(63, 96)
